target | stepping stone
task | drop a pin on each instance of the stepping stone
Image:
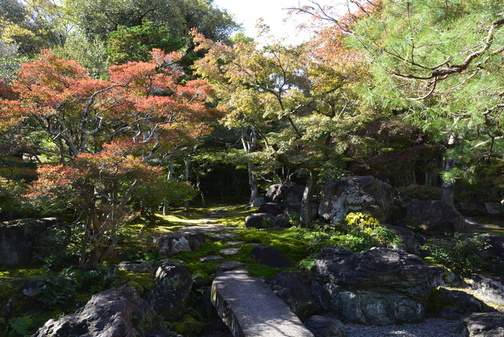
(223, 236)
(228, 266)
(251, 309)
(235, 243)
(229, 251)
(269, 256)
(210, 258)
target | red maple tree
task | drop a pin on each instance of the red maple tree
(96, 136)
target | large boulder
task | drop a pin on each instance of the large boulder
(22, 240)
(454, 304)
(356, 194)
(265, 220)
(271, 208)
(179, 241)
(287, 194)
(294, 289)
(325, 326)
(170, 296)
(484, 325)
(436, 215)
(269, 256)
(111, 313)
(379, 286)
(490, 288)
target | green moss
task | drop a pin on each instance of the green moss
(7, 273)
(260, 270)
(188, 326)
(140, 281)
(6, 289)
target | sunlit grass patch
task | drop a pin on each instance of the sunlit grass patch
(7, 273)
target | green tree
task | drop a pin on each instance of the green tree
(32, 25)
(135, 43)
(441, 64)
(295, 99)
(99, 18)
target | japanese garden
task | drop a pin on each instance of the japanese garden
(164, 174)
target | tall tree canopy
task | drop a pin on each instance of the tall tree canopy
(296, 100)
(100, 17)
(441, 64)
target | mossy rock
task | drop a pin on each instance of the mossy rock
(188, 326)
(142, 282)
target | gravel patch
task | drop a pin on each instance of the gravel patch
(430, 328)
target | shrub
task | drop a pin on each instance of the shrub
(361, 221)
(458, 252)
(57, 290)
(366, 232)
(422, 192)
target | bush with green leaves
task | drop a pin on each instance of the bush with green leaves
(461, 253)
(17, 326)
(57, 290)
(366, 232)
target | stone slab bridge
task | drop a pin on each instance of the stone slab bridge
(250, 309)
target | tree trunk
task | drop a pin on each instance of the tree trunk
(306, 203)
(448, 186)
(187, 162)
(84, 243)
(252, 178)
(249, 142)
(171, 174)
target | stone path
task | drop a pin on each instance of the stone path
(245, 304)
(250, 309)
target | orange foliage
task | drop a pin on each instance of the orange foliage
(60, 98)
(53, 180)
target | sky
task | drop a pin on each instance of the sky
(247, 12)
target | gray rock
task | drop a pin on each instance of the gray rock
(269, 256)
(379, 286)
(210, 258)
(230, 251)
(173, 285)
(285, 193)
(271, 208)
(136, 266)
(294, 289)
(494, 208)
(21, 241)
(256, 220)
(175, 242)
(484, 325)
(490, 288)
(111, 313)
(228, 266)
(455, 304)
(324, 326)
(436, 215)
(235, 243)
(409, 239)
(265, 220)
(356, 194)
(223, 236)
